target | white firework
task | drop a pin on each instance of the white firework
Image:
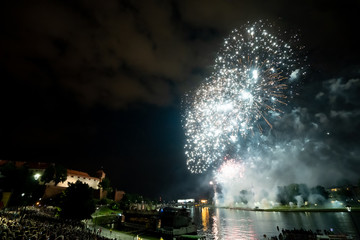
(253, 78)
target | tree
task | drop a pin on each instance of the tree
(346, 194)
(130, 198)
(290, 193)
(21, 183)
(321, 191)
(56, 173)
(77, 201)
(105, 184)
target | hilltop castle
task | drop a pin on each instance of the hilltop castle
(52, 189)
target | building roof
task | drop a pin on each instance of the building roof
(77, 173)
(80, 174)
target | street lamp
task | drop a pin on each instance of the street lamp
(37, 176)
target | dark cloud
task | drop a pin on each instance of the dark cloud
(107, 53)
(111, 53)
(323, 133)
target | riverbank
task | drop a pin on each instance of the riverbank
(356, 209)
(292, 209)
(116, 234)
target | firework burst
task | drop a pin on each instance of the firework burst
(230, 171)
(253, 79)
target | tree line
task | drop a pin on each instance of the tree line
(301, 194)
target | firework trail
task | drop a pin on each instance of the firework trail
(254, 76)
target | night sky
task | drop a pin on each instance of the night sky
(93, 84)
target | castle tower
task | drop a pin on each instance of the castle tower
(100, 174)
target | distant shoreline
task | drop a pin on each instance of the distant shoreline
(354, 209)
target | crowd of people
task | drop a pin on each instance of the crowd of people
(300, 234)
(35, 225)
(295, 234)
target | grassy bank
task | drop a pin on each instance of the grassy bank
(105, 210)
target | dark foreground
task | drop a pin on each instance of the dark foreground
(36, 225)
(301, 234)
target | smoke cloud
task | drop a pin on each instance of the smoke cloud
(312, 144)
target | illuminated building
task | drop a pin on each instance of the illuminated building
(185, 201)
(38, 168)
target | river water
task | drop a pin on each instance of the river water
(223, 224)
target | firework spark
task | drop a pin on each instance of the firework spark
(253, 79)
(230, 171)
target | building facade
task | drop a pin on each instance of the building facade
(38, 169)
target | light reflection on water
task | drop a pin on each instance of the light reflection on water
(220, 223)
(205, 218)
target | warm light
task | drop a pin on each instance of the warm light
(205, 217)
(37, 176)
(203, 201)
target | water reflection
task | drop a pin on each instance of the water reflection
(205, 218)
(215, 227)
(219, 223)
(226, 225)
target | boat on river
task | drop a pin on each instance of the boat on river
(176, 222)
(168, 223)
